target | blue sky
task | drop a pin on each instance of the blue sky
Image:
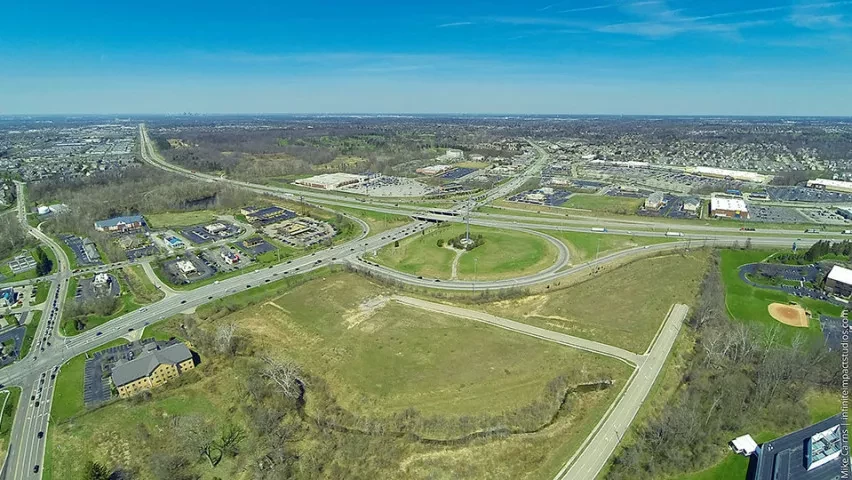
(756, 57)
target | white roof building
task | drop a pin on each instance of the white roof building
(185, 266)
(744, 445)
(101, 279)
(331, 181)
(735, 174)
(840, 275)
(827, 184)
(434, 169)
(723, 205)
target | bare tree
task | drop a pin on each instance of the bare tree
(200, 436)
(284, 374)
(226, 341)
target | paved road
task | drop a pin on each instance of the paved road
(26, 450)
(561, 338)
(596, 450)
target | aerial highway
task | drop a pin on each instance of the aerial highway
(36, 373)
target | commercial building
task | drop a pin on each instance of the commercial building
(152, 368)
(8, 297)
(731, 174)
(215, 228)
(186, 267)
(120, 224)
(839, 281)
(721, 206)
(812, 453)
(230, 257)
(831, 185)
(434, 170)
(691, 204)
(265, 216)
(331, 181)
(655, 200)
(101, 280)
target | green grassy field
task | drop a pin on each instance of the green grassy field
(11, 396)
(68, 391)
(128, 302)
(750, 304)
(603, 203)
(378, 359)
(505, 254)
(139, 285)
(635, 304)
(584, 246)
(378, 222)
(382, 351)
(31, 331)
(179, 219)
(42, 289)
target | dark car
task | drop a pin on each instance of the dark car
(40, 434)
(182, 302)
(99, 334)
(35, 469)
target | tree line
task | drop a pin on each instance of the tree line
(739, 376)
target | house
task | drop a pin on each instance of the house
(812, 453)
(120, 224)
(839, 281)
(152, 368)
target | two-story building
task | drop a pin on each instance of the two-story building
(154, 367)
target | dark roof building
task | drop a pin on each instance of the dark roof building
(146, 363)
(128, 222)
(269, 215)
(812, 453)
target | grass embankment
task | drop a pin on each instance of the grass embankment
(42, 289)
(378, 222)
(140, 286)
(179, 219)
(505, 254)
(29, 337)
(638, 297)
(377, 360)
(585, 246)
(11, 396)
(747, 303)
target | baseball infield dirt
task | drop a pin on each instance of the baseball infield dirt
(792, 315)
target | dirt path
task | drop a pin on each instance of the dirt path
(454, 275)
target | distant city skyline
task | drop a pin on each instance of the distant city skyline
(655, 57)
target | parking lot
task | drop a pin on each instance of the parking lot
(457, 173)
(84, 250)
(386, 186)
(770, 214)
(255, 246)
(832, 331)
(804, 194)
(547, 196)
(214, 258)
(86, 290)
(198, 234)
(806, 275)
(665, 179)
(202, 269)
(96, 383)
(824, 216)
(672, 208)
(15, 336)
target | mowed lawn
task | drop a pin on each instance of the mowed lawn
(179, 219)
(750, 304)
(604, 203)
(378, 222)
(584, 246)
(623, 307)
(505, 254)
(381, 357)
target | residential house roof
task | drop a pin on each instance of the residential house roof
(145, 364)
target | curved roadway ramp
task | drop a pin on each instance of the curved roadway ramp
(599, 445)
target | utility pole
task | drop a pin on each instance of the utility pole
(475, 261)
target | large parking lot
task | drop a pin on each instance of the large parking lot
(84, 250)
(545, 196)
(769, 214)
(664, 179)
(672, 208)
(14, 337)
(804, 194)
(217, 259)
(202, 269)
(96, 383)
(385, 186)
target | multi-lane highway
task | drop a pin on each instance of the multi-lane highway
(36, 373)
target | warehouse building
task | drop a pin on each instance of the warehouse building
(434, 170)
(731, 174)
(331, 181)
(812, 453)
(839, 281)
(721, 206)
(831, 185)
(120, 224)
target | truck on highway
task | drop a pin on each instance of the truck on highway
(846, 232)
(674, 234)
(599, 229)
(812, 230)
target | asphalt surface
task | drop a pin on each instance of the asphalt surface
(599, 445)
(27, 451)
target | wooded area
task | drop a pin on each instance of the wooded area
(740, 378)
(12, 236)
